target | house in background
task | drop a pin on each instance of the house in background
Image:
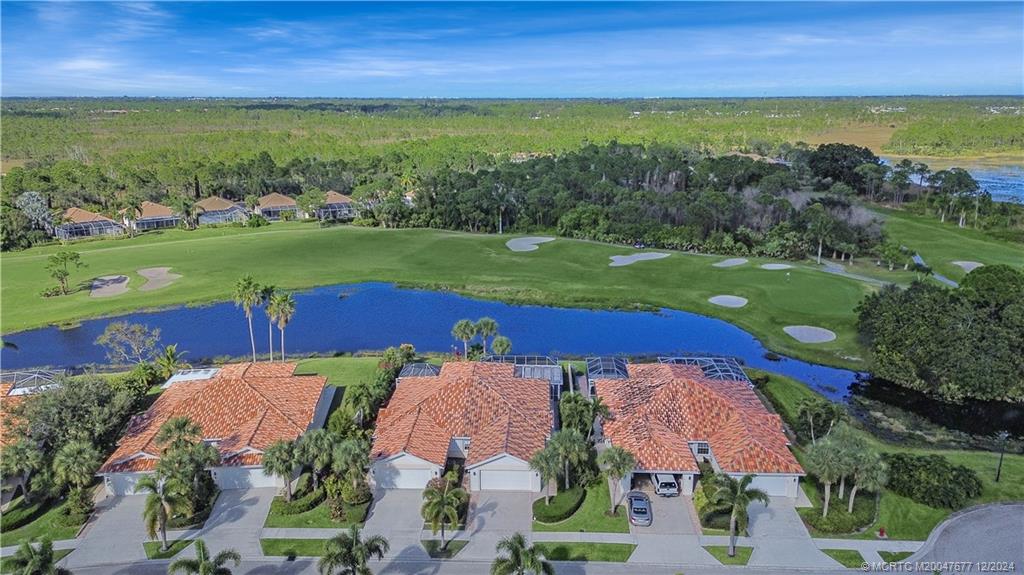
(79, 223)
(242, 409)
(488, 417)
(337, 207)
(679, 412)
(274, 206)
(152, 216)
(217, 210)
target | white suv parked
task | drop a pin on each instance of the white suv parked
(666, 485)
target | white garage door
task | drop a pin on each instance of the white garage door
(506, 480)
(121, 483)
(393, 477)
(243, 478)
(776, 485)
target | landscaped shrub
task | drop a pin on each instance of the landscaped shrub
(355, 494)
(932, 480)
(23, 513)
(562, 506)
(208, 495)
(300, 505)
(838, 520)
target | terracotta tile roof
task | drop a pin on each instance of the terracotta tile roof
(7, 421)
(337, 198)
(661, 407)
(245, 407)
(215, 204)
(154, 210)
(486, 402)
(80, 216)
(276, 200)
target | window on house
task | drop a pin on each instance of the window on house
(703, 449)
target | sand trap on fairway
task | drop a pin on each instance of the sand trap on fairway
(107, 286)
(968, 266)
(619, 261)
(157, 278)
(527, 244)
(728, 300)
(809, 333)
(731, 262)
(775, 266)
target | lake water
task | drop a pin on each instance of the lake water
(372, 316)
(1004, 182)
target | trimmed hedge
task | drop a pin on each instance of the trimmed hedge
(838, 520)
(562, 506)
(24, 513)
(300, 505)
(932, 480)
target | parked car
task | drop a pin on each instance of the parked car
(640, 512)
(666, 485)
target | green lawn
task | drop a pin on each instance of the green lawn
(902, 517)
(290, 547)
(893, 556)
(592, 516)
(319, 516)
(46, 524)
(433, 547)
(721, 552)
(846, 557)
(940, 244)
(614, 552)
(565, 272)
(6, 565)
(341, 371)
(153, 548)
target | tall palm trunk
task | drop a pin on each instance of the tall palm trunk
(732, 535)
(828, 496)
(270, 336)
(566, 463)
(252, 335)
(853, 493)
(842, 487)
(163, 529)
(820, 241)
(282, 344)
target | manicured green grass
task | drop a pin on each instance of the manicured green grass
(613, 552)
(721, 552)
(940, 244)
(592, 516)
(341, 371)
(565, 273)
(293, 547)
(893, 556)
(433, 547)
(153, 548)
(846, 557)
(6, 564)
(319, 516)
(902, 517)
(47, 524)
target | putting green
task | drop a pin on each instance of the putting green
(297, 255)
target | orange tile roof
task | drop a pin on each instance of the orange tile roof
(337, 198)
(80, 216)
(215, 204)
(7, 421)
(276, 200)
(245, 407)
(661, 407)
(486, 402)
(153, 210)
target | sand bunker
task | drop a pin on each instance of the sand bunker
(619, 261)
(728, 300)
(107, 286)
(968, 266)
(527, 244)
(157, 278)
(809, 333)
(775, 266)
(731, 262)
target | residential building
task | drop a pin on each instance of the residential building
(217, 210)
(78, 223)
(241, 408)
(337, 207)
(152, 216)
(275, 206)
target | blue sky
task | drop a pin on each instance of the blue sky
(417, 49)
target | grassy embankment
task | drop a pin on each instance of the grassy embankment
(902, 517)
(565, 272)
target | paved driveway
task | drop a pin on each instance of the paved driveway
(673, 536)
(395, 514)
(236, 521)
(672, 516)
(494, 515)
(780, 538)
(115, 533)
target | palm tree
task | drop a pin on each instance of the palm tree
(347, 553)
(170, 361)
(824, 462)
(486, 327)
(734, 496)
(464, 331)
(317, 449)
(281, 459)
(617, 462)
(20, 460)
(519, 558)
(282, 306)
(501, 345)
(32, 559)
(546, 463)
(350, 458)
(599, 412)
(441, 506)
(203, 564)
(362, 398)
(75, 463)
(132, 206)
(178, 433)
(870, 474)
(247, 296)
(267, 294)
(164, 500)
(571, 448)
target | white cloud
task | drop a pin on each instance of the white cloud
(84, 65)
